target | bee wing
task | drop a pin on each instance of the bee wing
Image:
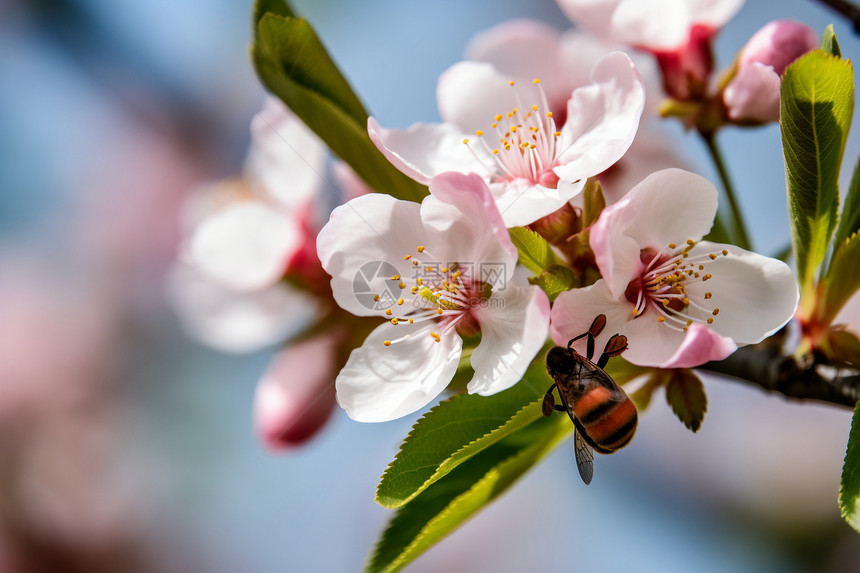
(584, 457)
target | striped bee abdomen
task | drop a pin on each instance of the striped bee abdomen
(608, 418)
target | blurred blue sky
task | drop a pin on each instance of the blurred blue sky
(80, 79)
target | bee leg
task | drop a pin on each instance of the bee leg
(549, 402)
(614, 346)
(597, 326)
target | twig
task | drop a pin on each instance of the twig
(766, 367)
(847, 9)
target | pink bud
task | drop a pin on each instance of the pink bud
(753, 94)
(296, 395)
(778, 44)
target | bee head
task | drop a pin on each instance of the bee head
(559, 360)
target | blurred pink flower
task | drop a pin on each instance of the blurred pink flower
(753, 94)
(433, 271)
(680, 301)
(296, 395)
(532, 166)
(677, 32)
(244, 235)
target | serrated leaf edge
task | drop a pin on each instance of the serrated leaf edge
(445, 467)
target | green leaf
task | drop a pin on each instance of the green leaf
(849, 221)
(554, 280)
(450, 501)
(594, 202)
(816, 105)
(686, 395)
(457, 429)
(842, 349)
(829, 43)
(842, 280)
(279, 7)
(535, 253)
(642, 395)
(849, 489)
(294, 65)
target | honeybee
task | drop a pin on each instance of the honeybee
(603, 415)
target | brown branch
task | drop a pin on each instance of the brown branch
(847, 9)
(766, 367)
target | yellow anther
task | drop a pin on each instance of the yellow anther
(414, 290)
(549, 114)
(715, 312)
(534, 108)
(660, 319)
(494, 125)
(445, 269)
(466, 141)
(495, 152)
(388, 311)
(507, 148)
(394, 321)
(725, 252)
(479, 133)
(387, 343)
(691, 242)
(665, 302)
(532, 146)
(510, 114)
(524, 144)
(376, 298)
(438, 311)
(420, 248)
(402, 285)
(513, 129)
(635, 312)
(708, 295)
(710, 321)
(672, 245)
(536, 81)
(428, 268)
(498, 117)
(411, 321)
(400, 301)
(510, 83)
(415, 263)
(689, 323)
(557, 134)
(395, 277)
(407, 257)
(686, 300)
(458, 274)
(701, 267)
(419, 281)
(712, 256)
(436, 337)
(706, 277)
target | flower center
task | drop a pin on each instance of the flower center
(665, 287)
(444, 294)
(521, 145)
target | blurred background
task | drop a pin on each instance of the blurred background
(125, 446)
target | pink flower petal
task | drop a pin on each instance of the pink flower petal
(700, 345)
(470, 94)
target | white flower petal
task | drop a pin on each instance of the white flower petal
(514, 326)
(425, 150)
(245, 246)
(658, 25)
(470, 94)
(574, 311)
(594, 15)
(236, 322)
(286, 158)
(669, 206)
(362, 247)
(756, 295)
(602, 118)
(464, 222)
(713, 13)
(524, 50)
(521, 202)
(701, 344)
(381, 383)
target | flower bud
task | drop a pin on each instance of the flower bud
(295, 397)
(753, 94)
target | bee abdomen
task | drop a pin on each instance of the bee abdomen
(609, 422)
